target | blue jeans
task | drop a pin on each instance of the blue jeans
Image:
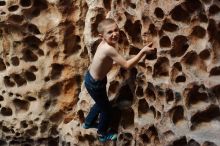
(102, 106)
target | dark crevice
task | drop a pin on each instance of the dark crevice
(21, 104)
(126, 120)
(205, 54)
(159, 13)
(143, 106)
(212, 112)
(168, 26)
(215, 71)
(179, 14)
(161, 67)
(25, 3)
(190, 58)
(177, 114)
(56, 70)
(180, 45)
(214, 9)
(165, 41)
(13, 8)
(199, 32)
(29, 76)
(20, 81)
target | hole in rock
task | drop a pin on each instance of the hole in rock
(192, 142)
(179, 14)
(180, 78)
(126, 120)
(30, 98)
(15, 61)
(33, 68)
(177, 114)
(29, 76)
(56, 70)
(215, 71)
(21, 104)
(165, 41)
(107, 4)
(194, 95)
(2, 3)
(178, 66)
(152, 30)
(216, 90)
(139, 91)
(32, 131)
(212, 28)
(180, 46)
(125, 97)
(161, 67)
(180, 142)
(190, 58)
(211, 113)
(1, 98)
(208, 143)
(133, 50)
(24, 124)
(57, 117)
(143, 106)
(18, 79)
(6, 111)
(205, 54)
(8, 82)
(13, 8)
(199, 32)
(55, 90)
(47, 104)
(203, 17)
(150, 94)
(16, 18)
(214, 9)
(28, 55)
(145, 138)
(133, 30)
(169, 95)
(81, 116)
(168, 26)
(71, 44)
(32, 41)
(123, 38)
(159, 13)
(206, 1)
(151, 55)
(2, 65)
(33, 29)
(44, 126)
(192, 6)
(113, 86)
(25, 3)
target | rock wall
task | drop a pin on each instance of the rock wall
(170, 98)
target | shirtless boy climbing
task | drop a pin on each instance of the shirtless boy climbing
(95, 78)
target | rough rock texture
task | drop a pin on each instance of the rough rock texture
(170, 98)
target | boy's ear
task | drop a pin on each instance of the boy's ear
(100, 35)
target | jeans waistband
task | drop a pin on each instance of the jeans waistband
(90, 80)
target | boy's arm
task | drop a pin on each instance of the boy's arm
(127, 64)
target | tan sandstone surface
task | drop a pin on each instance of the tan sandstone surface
(171, 98)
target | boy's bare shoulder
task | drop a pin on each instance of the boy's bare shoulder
(106, 48)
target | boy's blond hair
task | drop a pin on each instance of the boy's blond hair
(103, 23)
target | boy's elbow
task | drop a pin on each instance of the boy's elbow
(126, 66)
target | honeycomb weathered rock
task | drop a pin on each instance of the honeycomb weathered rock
(171, 97)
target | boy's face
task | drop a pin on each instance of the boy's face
(111, 34)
